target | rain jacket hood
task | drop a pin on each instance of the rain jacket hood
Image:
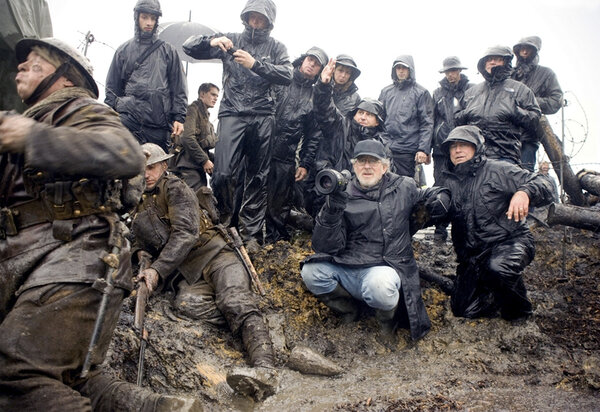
(533, 41)
(469, 134)
(406, 60)
(372, 106)
(265, 7)
(499, 73)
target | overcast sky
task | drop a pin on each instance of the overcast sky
(376, 31)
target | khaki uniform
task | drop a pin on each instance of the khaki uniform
(183, 241)
(58, 221)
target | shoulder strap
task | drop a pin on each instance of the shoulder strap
(141, 59)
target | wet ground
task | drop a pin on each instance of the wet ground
(551, 362)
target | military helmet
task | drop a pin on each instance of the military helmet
(470, 134)
(79, 61)
(148, 6)
(154, 153)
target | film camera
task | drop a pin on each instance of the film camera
(329, 181)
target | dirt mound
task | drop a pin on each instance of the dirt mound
(550, 362)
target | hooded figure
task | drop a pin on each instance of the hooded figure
(544, 84)
(409, 122)
(150, 95)
(345, 96)
(501, 107)
(492, 241)
(253, 64)
(296, 127)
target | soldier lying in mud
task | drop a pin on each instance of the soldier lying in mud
(190, 251)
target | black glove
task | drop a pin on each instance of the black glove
(336, 202)
(438, 206)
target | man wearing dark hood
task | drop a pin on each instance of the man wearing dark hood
(409, 120)
(145, 83)
(253, 63)
(501, 107)
(544, 84)
(345, 91)
(490, 201)
(446, 100)
(295, 126)
(363, 245)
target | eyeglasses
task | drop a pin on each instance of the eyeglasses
(370, 160)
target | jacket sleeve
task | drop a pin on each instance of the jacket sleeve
(189, 141)
(329, 233)
(184, 217)
(177, 87)
(539, 189)
(278, 72)
(551, 100)
(94, 144)
(527, 112)
(310, 141)
(114, 81)
(199, 47)
(425, 113)
(330, 121)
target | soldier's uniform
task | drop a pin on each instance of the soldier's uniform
(59, 236)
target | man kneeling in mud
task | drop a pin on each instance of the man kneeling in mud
(363, 244)
(190, 251)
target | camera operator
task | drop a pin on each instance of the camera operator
(363, 244)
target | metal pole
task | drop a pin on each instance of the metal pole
(562, 188)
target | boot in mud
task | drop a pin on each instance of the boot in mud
(108, 394)
(260, 381)
(388, 323)
(342, 303)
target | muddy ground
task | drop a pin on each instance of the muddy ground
(551, 362)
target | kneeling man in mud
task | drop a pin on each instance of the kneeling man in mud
(189, 251)
(490, 201)
(363, 243)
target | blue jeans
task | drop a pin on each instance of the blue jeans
(528, 155)
(378, 286)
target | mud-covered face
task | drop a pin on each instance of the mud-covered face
(366, 119)
(342, 74)
(153, 173)
(461, 152)
(453, 76)
(147, 22)
(210, 97)
(493, 61)
(257, 21)
(31, 73)
(369, 170)
(402, 72)
(310, 67)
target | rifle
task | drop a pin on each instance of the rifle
(239, 248)
(105, 285)
(140, 311)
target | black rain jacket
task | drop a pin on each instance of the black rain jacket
(245, 91)
(446, 99)
(346, 100)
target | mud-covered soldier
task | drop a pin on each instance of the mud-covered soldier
(193, 159)
(490, 201)
(409, 120)
(446, 101)
(363, 244)
(253, 63)
(61, 169)
(146, 84)
(345, 90)
(295, 127)
(543, 83)
(186, 247)
(500, 106)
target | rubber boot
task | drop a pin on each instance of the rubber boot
(388, 324)
(261, 381)
(342, 303)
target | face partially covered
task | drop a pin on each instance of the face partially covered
(461, 151)
(493, 61)
(31, 73)
(257, 21)
(369, 170)
(526, 50)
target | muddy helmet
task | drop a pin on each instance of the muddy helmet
(470, 134)
(71, 55)
(148, 6)
(154, 153)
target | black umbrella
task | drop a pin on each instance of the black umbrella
(177, 32)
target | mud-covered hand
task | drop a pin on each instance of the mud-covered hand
(208, 167)
(150, 277)
(336, 202)
(518, 209)
(13, 132)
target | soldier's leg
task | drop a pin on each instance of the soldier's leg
(257, 159)
(228, 158)
(43, 343)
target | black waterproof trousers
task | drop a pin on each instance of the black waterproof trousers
(242, 158)
(280, 196)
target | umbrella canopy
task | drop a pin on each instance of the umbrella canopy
(177, 32)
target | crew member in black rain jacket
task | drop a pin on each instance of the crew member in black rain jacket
(345, 90)
(493, 244)
(543, 83)
(253, 62)
(409, 121)
(501, 107)
(151, 98)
